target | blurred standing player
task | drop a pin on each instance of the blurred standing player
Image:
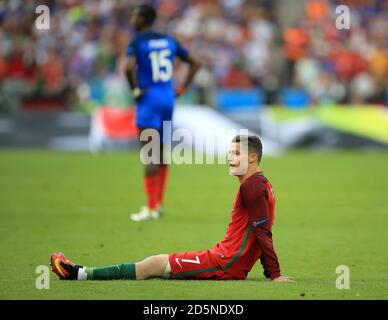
(248, 236)
(150, 66)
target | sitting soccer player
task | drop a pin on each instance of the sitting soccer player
(248, 237)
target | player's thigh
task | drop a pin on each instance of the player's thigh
(194, 265)
(147, 119)
(148, 113)
(167, 116)
(154, 108)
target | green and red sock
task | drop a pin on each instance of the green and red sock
(115, 272)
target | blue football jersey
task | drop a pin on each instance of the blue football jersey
(155, 55)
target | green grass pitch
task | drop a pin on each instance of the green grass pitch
(332, 209)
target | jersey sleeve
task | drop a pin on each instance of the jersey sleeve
(254, 197)
(181, 52)
(132, 48)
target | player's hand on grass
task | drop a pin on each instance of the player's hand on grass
(283, 279)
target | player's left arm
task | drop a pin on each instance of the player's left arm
(194, 66)
(254, 196)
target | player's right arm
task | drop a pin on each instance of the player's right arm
(130, 69)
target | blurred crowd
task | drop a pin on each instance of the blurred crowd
(340, 65)
(78, 62)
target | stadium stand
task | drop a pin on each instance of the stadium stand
(75, 64)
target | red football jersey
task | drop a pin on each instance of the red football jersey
(248, 236)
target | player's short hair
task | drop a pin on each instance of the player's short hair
(147, 12)
(254, 144)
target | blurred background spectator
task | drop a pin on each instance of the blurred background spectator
(244, 44)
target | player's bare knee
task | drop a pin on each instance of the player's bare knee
(152, 267)
(162, 260)
(141, 271)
